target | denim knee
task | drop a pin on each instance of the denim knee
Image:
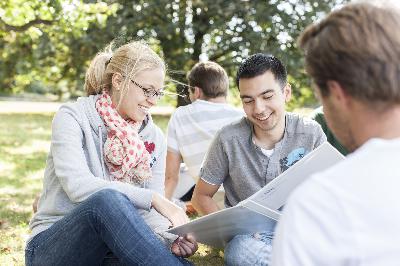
(108, 199)
(247, 250)
(233, 253)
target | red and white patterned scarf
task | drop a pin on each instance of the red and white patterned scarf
(125, 153)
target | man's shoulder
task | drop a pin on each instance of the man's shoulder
(233, 110)
(237, 128)
(182, 110)
(198, 104)
(179, 116)
(302, 125)
(352, 179)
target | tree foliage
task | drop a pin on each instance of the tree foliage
(38, 42)
(51, 41)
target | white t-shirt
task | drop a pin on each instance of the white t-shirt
(192, 127)
(346, 215)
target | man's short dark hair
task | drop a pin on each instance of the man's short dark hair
(258, 64)
(211, 78)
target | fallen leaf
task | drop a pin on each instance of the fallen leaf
(6, 250)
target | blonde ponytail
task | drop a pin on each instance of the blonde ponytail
(95, 79)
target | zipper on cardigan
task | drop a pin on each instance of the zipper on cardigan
(101, 152)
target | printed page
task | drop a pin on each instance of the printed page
(275, 194)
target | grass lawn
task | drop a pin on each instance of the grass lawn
(24, 143)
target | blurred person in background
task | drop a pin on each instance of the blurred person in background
(192, 128)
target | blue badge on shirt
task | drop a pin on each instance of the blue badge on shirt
(293, 157)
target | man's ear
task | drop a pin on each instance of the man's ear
(198, 93)
(116, 81)
(337, 93)
(287, 92)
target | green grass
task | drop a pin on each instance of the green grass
(24, 144)
(24, 141)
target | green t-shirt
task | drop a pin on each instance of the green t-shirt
(320, 118)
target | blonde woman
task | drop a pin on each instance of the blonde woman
(102, 198)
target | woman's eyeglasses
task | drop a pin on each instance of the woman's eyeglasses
(150, 93)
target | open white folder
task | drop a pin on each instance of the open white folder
(260, 211)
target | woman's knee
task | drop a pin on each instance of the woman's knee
(108, 199)
(110, 206)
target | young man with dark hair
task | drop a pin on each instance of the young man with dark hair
(192, 127)
(248, 154)
(349, 214)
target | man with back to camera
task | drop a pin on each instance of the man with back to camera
(349, 214)
(248, 154)
(192, 127)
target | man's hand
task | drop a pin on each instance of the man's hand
(184, 246)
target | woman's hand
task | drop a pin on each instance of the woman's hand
(168, 209)
(184, 246)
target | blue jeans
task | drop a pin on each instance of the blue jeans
(106, 223)
(249, 250)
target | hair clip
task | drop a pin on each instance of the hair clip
(109, 60)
